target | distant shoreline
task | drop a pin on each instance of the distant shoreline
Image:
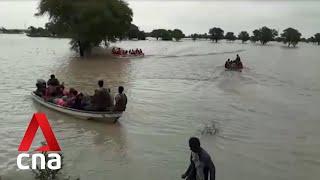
(12, 31)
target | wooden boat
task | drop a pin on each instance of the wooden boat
(233, 67)
(128, 56)
(108, 116)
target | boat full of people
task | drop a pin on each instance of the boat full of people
(131, 53)
(235, 65)
(101, 105)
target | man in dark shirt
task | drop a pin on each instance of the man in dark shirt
(201, 164)
(102, 100)
(121, 100)
(53, 81)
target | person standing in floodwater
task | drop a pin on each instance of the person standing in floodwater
(201, 164)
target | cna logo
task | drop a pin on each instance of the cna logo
(54, 162)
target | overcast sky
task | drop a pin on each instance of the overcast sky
(193, 16)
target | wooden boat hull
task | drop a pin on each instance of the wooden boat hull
(105, 116)
(234, 69)
(128, 57)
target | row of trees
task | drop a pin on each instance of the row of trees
(264, 35)
(167, 35)
(88, 24)
(11, 31)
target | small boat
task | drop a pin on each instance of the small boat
(129, 56)
(108, 116)
(233, 67)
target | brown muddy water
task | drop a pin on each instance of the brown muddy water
(260, 124)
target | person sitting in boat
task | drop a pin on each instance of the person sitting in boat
(52, 83)
(78, 102)
(121, 100)
(63, 90)
(238, 58)
(59, 101)
(238, 62)
(141, 53)
(227, 64)
(41, 88)
(239, 65)
(60, 91)
(101, 100)
(70, 101)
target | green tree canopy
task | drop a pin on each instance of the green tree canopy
(38, 32)
(267, 34)
(142, 35)
(177, 34)
(311, 39)
(256, 36)
(230, 36)
(194, 36)
(303, 40)
(88, 22)
(291, 36)
(317, 38)
(216, 33)
(264, 35)
(156, 33)
(166, 35)
(135, 33)
(244, 36)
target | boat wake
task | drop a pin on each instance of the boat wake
(200, 54)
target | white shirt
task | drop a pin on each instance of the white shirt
(199, 166)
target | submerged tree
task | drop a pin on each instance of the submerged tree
(311, 39)
(142, 35)
(230, 36)
(256, 36)
(304, 40)
(317, 38)
(244, 36)
(177, 34)
(135, 33)
(166, 35)
(267, 34)
(216, 33)
(264, 35)
(88, 22)
(157, 33)
(194, 36)
(291, 36)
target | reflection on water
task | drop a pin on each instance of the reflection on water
(261, 123)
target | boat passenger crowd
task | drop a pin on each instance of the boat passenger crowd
(236, 64)
(131, 52)
(102, 100)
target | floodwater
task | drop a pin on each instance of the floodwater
(262, 123)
